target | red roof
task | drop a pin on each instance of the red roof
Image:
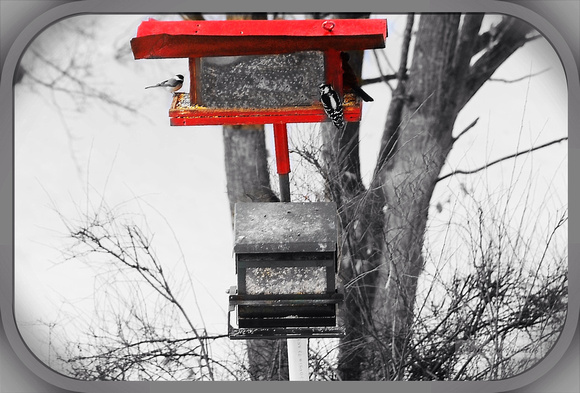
(186, 39)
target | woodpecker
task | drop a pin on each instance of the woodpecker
(349, 79)
(171, 85)
(332, 105)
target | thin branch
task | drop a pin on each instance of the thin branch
(382, 78)
(193, 16)
(469, 127)
(390, 134)
(406, 44)
(469, 172)
(518, 79)
(533, 37)
(511, 34)
(84, 88)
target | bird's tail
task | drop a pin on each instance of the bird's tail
(148, 87)
(362, 94)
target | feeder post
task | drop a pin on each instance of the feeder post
(282, 160)
(298, 359)
(297, 347)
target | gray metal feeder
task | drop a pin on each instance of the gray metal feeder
(286, 267)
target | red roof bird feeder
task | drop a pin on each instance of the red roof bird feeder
(258, 71)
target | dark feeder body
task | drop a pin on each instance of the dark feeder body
(268, 81)
(286, 266)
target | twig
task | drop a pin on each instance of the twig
(382, 78)
(84, 88)
(469, 172)
(518, 79)
(469, 127)
(406, 44)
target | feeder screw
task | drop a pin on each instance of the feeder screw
(328, 25)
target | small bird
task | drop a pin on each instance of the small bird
(332, 105)
(349, 79)
(171, 85)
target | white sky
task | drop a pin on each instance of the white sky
(175, 175)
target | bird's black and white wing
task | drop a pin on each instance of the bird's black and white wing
(332, 105)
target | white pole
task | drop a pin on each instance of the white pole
(298, 359)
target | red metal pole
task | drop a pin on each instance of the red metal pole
(282, 160)
(281, 145)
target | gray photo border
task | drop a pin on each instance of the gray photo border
(556, 20)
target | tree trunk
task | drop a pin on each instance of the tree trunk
(407, 180)
(383, 227)
(246, 160)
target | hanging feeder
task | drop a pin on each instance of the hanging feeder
(285, 257)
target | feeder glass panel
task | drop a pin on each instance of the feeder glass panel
(285, 280)
(268, 81)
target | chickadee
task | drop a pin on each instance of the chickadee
(172, 84)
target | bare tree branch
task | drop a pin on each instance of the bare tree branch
(84, 89)
(389, 138)
(472, 171)
(382, 78)
(469, 127)
(466, 42)
(193, 16)
(508, 36)
(129, 246)
(518, 79)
